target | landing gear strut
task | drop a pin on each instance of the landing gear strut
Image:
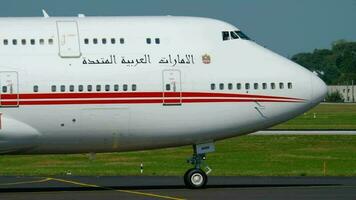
(195, 177)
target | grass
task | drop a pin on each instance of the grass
(324, 116)
(242, 156)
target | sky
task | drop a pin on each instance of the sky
(284, 26)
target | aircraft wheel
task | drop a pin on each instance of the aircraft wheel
(195, 178)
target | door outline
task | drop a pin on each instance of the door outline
(14, 78)
(173, 79)
(62, 52)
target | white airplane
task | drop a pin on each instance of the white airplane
(113, 84)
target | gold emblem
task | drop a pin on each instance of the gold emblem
(206, 59)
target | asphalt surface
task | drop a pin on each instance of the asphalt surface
(141, 187)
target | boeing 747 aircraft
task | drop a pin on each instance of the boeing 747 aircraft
(113, 84)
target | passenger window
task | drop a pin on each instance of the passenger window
(255, 85)
(63, 88)
(229, 86)
(238, 86)
(212, 86)
(225, 35)
(23, 42)
(103, 40)
(33, 41)
(35, 88)
(116, 87)
(4, 89)
(107, 88)
(264, 86)
(158, 41)
(95, 41)
(125, 87)
(90, 88)
(71, 88)
(290, 85)
(234, 35)
(98, 88)
(6, 42)
(247, 86)
(80, 88)
(148, 40)
(50, 41)
(86, 41)
(281, 85)
(168, 87)
(14, 42)
(134, 87)
(113, 41)
(221, 86)
(122, 40)
(54, 88)
(42, 42)
(273, 86)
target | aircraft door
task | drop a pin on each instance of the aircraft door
(9, 89)
(172, 88)
(68, 39)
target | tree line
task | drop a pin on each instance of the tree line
(335, 66)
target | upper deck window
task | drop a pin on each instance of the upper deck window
(148, 40)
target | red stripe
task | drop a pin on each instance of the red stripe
(234, 100)
(203, 94)
(138, 101)
(136, 95)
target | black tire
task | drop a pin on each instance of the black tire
(195, 178)
(186, 183)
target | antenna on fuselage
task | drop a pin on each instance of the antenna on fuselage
(45, 14)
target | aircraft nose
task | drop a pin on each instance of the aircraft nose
(319, 89)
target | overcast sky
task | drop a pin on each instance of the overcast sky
(285, 26)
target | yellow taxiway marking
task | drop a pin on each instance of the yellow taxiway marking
(90, 185)
(107, 188)
(26, 182)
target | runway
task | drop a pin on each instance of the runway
(142, 187)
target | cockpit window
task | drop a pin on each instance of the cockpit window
(226, 35)
(242, 35)
(234, 35)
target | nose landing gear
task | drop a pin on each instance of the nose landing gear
(195, 177)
